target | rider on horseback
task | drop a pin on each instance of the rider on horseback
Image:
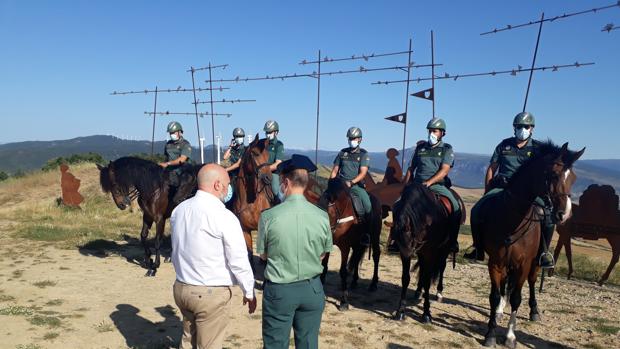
(351, 165)
(177, 152)
(432, 161)
(276, 155)
(508, 156)
(235, 152)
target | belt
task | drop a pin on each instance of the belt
(267, 281)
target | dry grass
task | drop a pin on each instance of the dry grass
(586, 268)
(49, 321)
(16, 310)
(104, 326)
(44, 283)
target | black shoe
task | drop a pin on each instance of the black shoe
(546, 261)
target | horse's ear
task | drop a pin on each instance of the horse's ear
(574, 156)
(564, 148)
(255, 140)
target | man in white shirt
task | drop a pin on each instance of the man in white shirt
(209, 255)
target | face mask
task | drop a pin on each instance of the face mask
(229, 194)
(522, 133)
(174, 136)
(281, 194)
(271, 135)
(239, 140)
(353, 143)
(432, 139)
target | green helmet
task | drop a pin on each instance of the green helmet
(354, 132)
(174, 126)
(436, 123)
(524, 118)
(238, 132)
(271, 126)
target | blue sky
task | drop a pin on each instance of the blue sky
(61, 59)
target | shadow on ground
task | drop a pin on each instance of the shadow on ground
(143, 333)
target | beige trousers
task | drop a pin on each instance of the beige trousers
(206, 314)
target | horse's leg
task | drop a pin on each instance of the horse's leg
(405, 278)
(418, 292)
(531, 280)
(354, 268)
(376, 253)
(147, 222)
(440, 283)
(558, 249)
(499, 313)
(247, 235)
(344, 255)
(496, 274)
(159, 233)
(515, 302)
(425, 280)
(325, 262)
(569, 257)
(615, 250)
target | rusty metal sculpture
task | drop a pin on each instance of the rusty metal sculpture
(69, 186)
(389, 189)
(596, 217)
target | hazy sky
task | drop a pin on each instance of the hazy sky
(61, 59)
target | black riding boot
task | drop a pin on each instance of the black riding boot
(365, 238)
(478, 252)
(544, 257)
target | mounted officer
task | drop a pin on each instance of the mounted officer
(431, 162)
(351, 165)
(178, 152)
(276, 155)
(508, 156)
(235, 152)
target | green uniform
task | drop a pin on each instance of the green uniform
(349, 162)
(173, 151)
(276, 152)
(294, 235)
(235, 155)
(427, 161)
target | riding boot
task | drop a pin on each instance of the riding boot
(478, 252)
(365, 238)
(544, 257)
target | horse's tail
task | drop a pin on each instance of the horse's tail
(453, 260)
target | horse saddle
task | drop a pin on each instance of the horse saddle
(446, 203)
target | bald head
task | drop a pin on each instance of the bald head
(213, 179)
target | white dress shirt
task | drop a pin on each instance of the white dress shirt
(208, 248)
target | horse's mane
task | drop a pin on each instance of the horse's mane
(416, 204)
(131, 172)
(546, 151)
(248, 168)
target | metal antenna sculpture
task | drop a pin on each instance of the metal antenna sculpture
(156, 91)
(609, 27)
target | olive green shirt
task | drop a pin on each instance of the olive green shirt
(276, 151)
(427, 160)
(294, 235)
(349, 161)
(509, 157)
(174, 149)
(236, 153)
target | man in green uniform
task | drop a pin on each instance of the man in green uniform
(177, 151)
(276, 155)
(235, 152)
(508, 156)
(431, 162)
(293, 238)
(351, 165)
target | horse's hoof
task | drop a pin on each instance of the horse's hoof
(535, 317)
(399, 316)
(150, 272)
(416, 296)
(489, 342)
(372, 287)
(427, 319)
(343, 306)
(511, 343)
(167, 260)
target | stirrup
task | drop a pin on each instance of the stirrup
(548, 254)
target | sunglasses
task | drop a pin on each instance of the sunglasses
(527, 127)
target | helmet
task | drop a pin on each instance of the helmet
(174, 126)
(354, 132)
(271, 126)
(524, 118)
(436, 123)
(238, 132)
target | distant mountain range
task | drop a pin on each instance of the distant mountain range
(468, 170)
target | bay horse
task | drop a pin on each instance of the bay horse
(347, 231)
(129, 178)
(252, 188)
(509, 228)
(424, 226)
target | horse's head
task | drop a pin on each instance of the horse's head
(413, 214)
(560, 180)
(254, 165)
(109, 184)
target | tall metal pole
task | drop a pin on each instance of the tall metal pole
(402, 161)
(318, 108)
(212, 116)
(154, 117)
(433, 70)
(529, 82)
(202, 160)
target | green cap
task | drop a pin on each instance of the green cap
(174, 126)
(271, 126)
(238, 132)
(524, 118)
(354, 132)
(436, 123)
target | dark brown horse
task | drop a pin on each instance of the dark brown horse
(424, 226)
(252, 188)
(509, 226)
(347, 230)
(131, 178)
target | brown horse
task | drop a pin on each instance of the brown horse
(252, 188)
(422, 225)
(509, 226)
(572, 229)
(347, 230)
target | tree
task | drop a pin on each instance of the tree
(3, 176)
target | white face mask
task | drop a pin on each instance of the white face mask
(229, 194)
(281, 194)
(271, 136)
(522, 133)
(432, 139)
(239, 140)
(354, 143)
(174, 136)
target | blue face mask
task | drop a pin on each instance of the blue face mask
(229, 195)
(281, 194)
